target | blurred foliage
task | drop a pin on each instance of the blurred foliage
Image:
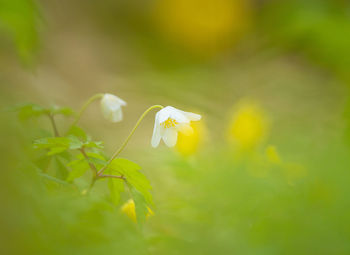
(245, 190)
(20, 20)
(318, 28)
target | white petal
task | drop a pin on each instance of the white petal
(192, 116)
(179, 117)
(164, 114)
(173, 113)
(117, 115)
(121, 101)
(170, 137)
(105, 110)
(156, 132)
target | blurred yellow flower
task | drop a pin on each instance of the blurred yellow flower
(129, 209)
(249, 126)
(203, 26)
(272, 155)
(189, 144)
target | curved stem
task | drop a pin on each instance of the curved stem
(129, 137)
(83, 108)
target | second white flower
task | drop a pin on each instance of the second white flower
(168, 122)
(111, 106)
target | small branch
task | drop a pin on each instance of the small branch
(92, 166)
(128, 138)
(112, 176)
(53, 123)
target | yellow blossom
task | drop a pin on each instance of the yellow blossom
(249, 126)
(189, 144)
(129, 209)
(203, 26)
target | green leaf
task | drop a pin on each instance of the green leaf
(26, 111)
(61, 169)
(134, 177)
(55, 145)
(116, 186)
(141, 208)
(94, 158)
(78, 132)
(79, 167)
(51, 178)
(92, 144)
(56, 150)
(74, 142)
(66, 111)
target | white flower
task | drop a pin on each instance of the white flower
(112, 107)
(168, 122)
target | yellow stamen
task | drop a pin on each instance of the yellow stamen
(169, 123)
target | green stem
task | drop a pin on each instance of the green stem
(129, 137)
(92, 166)
(53, 123)
(83, 108)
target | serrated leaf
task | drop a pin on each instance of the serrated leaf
(49, 142)
(131, 171)
(116, 186)
(74, 142)
(97, 162)
(94, 158)
(92, 144)
(57, 145)
(79, 167)
(54, 144)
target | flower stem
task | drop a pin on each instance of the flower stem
(86, 104)
(129, 137)
(53, 123)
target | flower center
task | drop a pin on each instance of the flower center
(169, 123)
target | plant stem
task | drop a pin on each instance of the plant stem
(92, 166)
(86, 104)
(53, 123)
(111, 176)
(129, 137)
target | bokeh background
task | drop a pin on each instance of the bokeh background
(267, 170)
